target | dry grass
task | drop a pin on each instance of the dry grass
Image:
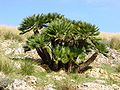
(111, 39)
(5, 29)
(108, 36)
(11, 32)
(6, 64)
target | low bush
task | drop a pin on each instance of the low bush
(27, 67)
(6, 65)
(115, 43)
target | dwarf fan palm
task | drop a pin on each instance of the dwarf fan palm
(62, 42)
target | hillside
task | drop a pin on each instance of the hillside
(22, 71)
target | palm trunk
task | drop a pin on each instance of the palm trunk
(44, 55)
(47, 55)
(84, 65)
(42, 52)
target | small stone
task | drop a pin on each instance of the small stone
(72, 80)
(116, 87)
(58, 77)
(2, 75)
(31, 80)
(49, 87)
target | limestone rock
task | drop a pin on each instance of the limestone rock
(31, 80)
(116, 87)
(8, 51)
(93, 86)
(49, 87)
(2, 75)
(56, 77)
(97, 73)
(100, 81)
(4, 82)
(20, 85)
(19, 50)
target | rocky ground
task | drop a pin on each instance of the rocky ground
(102, 76)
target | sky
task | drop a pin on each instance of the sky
(103, 13)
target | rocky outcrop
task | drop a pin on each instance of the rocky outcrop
(31, 80)
(113, 57)
(20, 85)
(97, 73)
(4, 82)
(96, 86)
(28, 83)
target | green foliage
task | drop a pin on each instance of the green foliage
(36, 41)
(111, 81)
(14, 45)
(108, 68)
(61, 54)
(6, 65)
(81, 78)
(61, 39)
(64, 85)
(101, 47)
(27, 67)
(8, 35)
(36, 22)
